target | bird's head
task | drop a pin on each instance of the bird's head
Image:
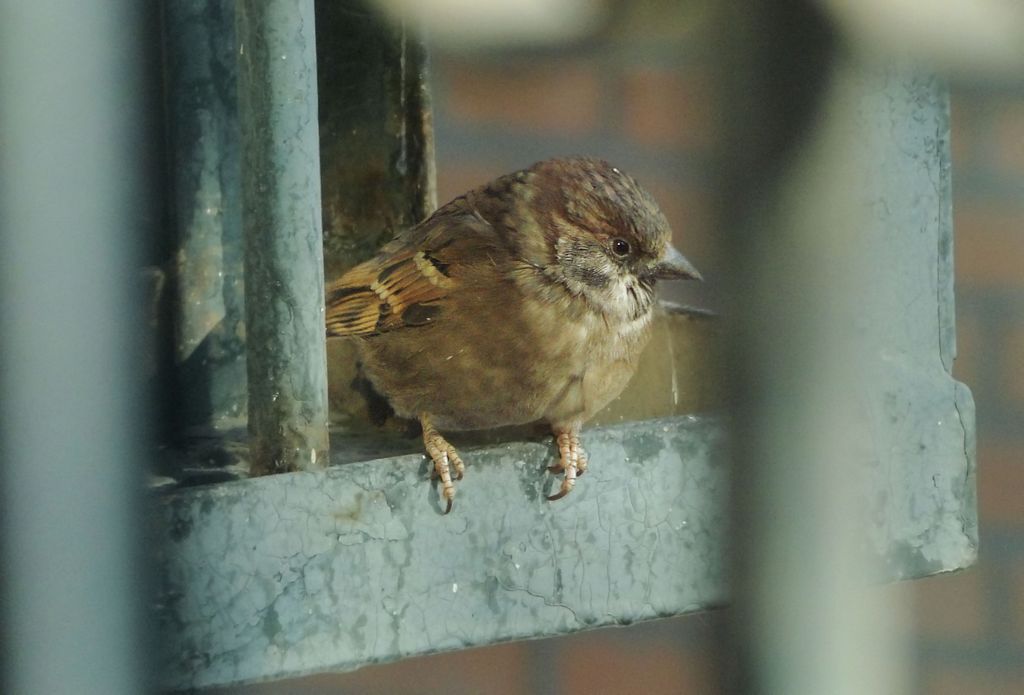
(605, 239)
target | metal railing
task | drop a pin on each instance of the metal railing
(76, 194)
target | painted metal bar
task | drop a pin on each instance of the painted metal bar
(846, 169)
(300, 573)
(75, 205)
(201, 73)
(284, 281)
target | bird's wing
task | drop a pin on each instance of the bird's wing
(406, 284)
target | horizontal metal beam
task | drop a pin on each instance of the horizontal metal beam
(299, 573)
(304, 572)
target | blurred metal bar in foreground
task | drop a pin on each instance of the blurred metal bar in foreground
(284, 276)
(73, 209)
(842, 225)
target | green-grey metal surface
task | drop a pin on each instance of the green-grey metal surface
(922, 450)
(201, 59)
(77, 195)
(306, 572)
(284, 281)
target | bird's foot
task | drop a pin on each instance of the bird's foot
(572, 461)
(445, 458)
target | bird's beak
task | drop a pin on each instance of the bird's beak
(674, 266)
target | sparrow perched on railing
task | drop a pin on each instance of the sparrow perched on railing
(527, 299)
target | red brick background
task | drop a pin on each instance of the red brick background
(981, 650)
(651, 114)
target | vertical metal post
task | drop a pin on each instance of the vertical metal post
(284, 280)
(201, 59)
(805, 621)
(74, 208)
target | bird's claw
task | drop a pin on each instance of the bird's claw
(572, 460)
(444, 458)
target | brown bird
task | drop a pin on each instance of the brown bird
(527, 299)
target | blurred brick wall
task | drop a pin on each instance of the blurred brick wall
(970, 626)
(648, 110)
(650, 114)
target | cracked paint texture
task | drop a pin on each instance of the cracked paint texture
(305, 572)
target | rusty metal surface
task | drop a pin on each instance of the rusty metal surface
(376, 146)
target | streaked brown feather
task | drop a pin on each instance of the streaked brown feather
(407, 282)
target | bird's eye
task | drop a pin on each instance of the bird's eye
(620, 247)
